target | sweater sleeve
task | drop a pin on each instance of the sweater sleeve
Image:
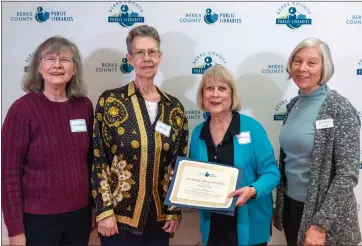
(346, 155)
(100, 171)
(268, 176)
(15, 141)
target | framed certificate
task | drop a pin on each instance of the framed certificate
(203, 185)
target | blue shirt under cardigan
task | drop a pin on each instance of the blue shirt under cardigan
(259, 170)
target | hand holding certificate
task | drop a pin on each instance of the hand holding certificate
(203, 185)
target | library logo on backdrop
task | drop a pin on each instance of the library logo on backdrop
(42, 15)
(359, 67)
(206, 60)
(280, 110)
(113, 66)
(53, 15)
(210, 17)
(126, 13)
(273, 69)
(27, 62)
(354, 20)
(294, 15)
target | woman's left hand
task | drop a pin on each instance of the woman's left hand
(314, 237)
(244, 195)
(171, 225)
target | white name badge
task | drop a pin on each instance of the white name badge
(78, 125)
(322, 124)
(163, 128)
(244, 138)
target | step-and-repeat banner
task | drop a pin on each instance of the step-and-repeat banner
(253, 40)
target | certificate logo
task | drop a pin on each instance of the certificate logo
(126, 13)
(280, 110)
(294, 15)
(359, 68)
(273, 69)
(206, 60)
(354, 20)
(27, 62)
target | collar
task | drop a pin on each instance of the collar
(233, 129)
(132, 90)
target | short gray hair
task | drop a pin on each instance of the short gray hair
(222, 74)
(34, 82)
(142, 31)
(324, 52)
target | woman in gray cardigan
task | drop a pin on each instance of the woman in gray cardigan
(319, 159)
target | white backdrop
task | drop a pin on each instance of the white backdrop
(244, 36)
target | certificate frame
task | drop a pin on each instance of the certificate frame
(172, 200)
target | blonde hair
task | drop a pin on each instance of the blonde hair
(219, 73)
(34, 82)
(324, 52)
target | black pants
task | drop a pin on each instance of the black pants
(292, 216)
(151, 236)
(71, 228)
(223, 231)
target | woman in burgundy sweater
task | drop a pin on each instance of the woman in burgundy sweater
(46, 152)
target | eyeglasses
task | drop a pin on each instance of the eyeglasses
(153, 53)
(50, 60)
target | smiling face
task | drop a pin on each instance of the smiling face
(57, 68)
(306, 69)
(217, 97)
(145, 57)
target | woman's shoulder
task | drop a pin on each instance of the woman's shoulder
(338, 104)
(27, 100)
(174, 100)
(248, 122)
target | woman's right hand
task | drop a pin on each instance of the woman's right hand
(18, 239)
(108, 226)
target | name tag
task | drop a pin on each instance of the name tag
(244, 138)
(163, 128)
(322, 124)
(78, 125)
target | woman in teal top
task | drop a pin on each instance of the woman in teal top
(230, 138)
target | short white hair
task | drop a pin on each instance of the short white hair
(324, 52)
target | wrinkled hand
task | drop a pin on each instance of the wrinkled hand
(314, 237)
(171, 225)
(244, 195)
(108, 226)
(17, 240)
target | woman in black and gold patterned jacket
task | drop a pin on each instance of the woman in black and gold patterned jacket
(139, 130)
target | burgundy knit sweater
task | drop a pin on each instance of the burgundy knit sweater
(45, 166)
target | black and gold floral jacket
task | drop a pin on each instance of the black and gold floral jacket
(132, 162)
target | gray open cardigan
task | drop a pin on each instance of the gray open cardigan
(334, 173)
